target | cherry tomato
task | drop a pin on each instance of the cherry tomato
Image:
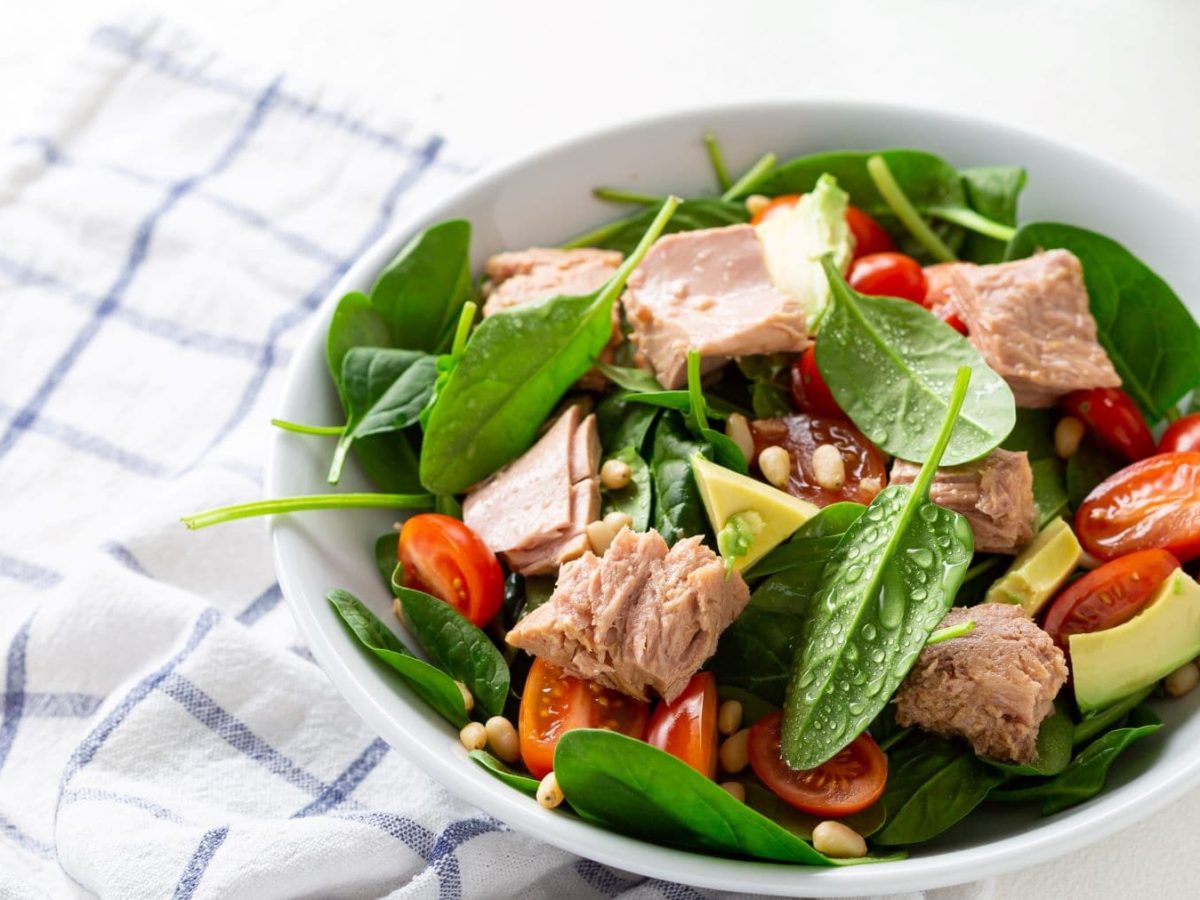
(938, 292)
(1115, 419)
(1154, 503)
(888, 275)
(1181, 435)
(554, 702)
(687, 728)
(1109, 595)
(952, 319)
(851, 781)
(810, 393)
(869, 235)
(801, 434)
(445, 558)
(783, 201)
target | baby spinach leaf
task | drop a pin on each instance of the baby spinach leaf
(387, 558)
(1054, 742)
(1091, 725)
(992, 192)
(678, 510)
(1033, 432)
(624, 424)
(391, 460)
(1049, 489)
(692, 215)
(1148, 333)
(355, 323)
(753, 706)
(890, 365)
(866, 822)
(883, 591)
(499, 393)
(630, 378)
(524, 783)
(458, 647)
(431, 684)
(725, 451)
(681, 402)
(1086, 468)
(635, 499)
(811, 544)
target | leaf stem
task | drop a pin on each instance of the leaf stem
(597, 235)
(982, 568)
(616, 284)
(951, 631)
(753, 176)
(717, 158)
(1172, 413)
(929, 469)
(297, 428)
(899, 204)
(695, 391)
(619, 195)
(304, 503)
(889, 742)
(973, 221)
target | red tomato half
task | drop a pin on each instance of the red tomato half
(445, 558)
(1109, 595)
(554, 702)
(888, 275)
(1154, 503)
(1181, 435)
(851, 781)
(810, 393)
(687, 728)
(869, 235)
(1115, 419)
(801, 434)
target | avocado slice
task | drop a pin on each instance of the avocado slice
(1039, 570)
(1111, 664)
(725, 493)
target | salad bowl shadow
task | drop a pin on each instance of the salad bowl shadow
(545, 199)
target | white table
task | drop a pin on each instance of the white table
(1118, 77)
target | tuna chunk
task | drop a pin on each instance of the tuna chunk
(1029, 320)
(994, 493)
(992, 687)
(641, 616)
(534, 510)
(710, 291)
(524, 275)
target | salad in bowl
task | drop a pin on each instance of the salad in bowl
(792, 522)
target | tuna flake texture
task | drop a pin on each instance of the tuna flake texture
(992, 687)
(534, 510)
(708, 290)
(1029, 319)
(641, 616)
(995, 494)
(521, 276)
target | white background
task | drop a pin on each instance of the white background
(1117, 77)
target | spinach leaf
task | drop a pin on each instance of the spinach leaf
(1086, 468)
(526, 784)
(890, 365)
(883, 591)
(1054, 742)
(812, 542)
(866, 822)
(387, 558)
(992, 192)
(680, 402)
(692, 215)
(768, 390)
(753, 706)
(1149, 335)
(431, 684)
(496, 398)
(391, 461)
(355, 323)
(1049, 490)
(678, 510)
(639, 790)
(623, 424)
(1096, 722)
(636, 498)
(725, 451)
(629, 378)
(932, 784)
(458, 647)
(1033, 432)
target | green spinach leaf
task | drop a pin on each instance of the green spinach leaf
(866, 822)
(624, 424)
(1086, 468)
(630, 378)
(1033, 433)
(636, 498)
(526, 784)
(387, 558)
(1054, 742)
(1049, 490)
(726, 452)
(692, 215)
(811, 544)
(678, 509)
(355, 323)
(1091, 725)
(992, 192)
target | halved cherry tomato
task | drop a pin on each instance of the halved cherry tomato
(851, 781)
(1181, 435)
(939, 291)
(889, 275)
(1109, 595)
(952, 319)
(801, 434)
(1154, 503)
(783, 201)
(554, 702)
(869, 235)
(445, 558)
(810, 393)
(1115, 419)
(687, 728)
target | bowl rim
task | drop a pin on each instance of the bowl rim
(1071, 831)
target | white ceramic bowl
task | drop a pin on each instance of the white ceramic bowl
(545, 199)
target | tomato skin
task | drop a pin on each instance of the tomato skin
(1115, 419)
(810, 393)
(1154, 503)
(687, 728)
(1105, 597)
(869, 235)
(783, 201)
(553, 702)
(801, 434)
(445, 558)
(1182, 435)
(952, 319)
(889, 275)
(850, 782)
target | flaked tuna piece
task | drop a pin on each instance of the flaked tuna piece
(992, 687)
(640, 617)
(1029, 319)
(520, 276)
(535, 510)
(708, 290)
(994, 493)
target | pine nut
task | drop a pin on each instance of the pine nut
(776, 466)
(729, 717)
(502, 739)
(734, 754)
(618, 520)
(839, 841)
(828, 467)
(737, 429)
(615, 474)
(735, 789)
(1182, 680)
(1067, 435)
(473, 736)
(600, 535)
(756, 203)
(468, 700)
(549, 794)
